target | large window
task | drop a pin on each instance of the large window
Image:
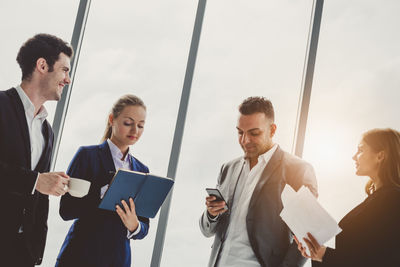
(130, 48)
(20, 20)
(245, 50)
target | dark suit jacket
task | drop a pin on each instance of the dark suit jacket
(370, 234)
(17, 204)
(270, 238)
(97, 237)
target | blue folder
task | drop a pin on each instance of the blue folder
(148, 191)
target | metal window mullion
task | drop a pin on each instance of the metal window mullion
(179, 129)
(63, 103)
(308, 74)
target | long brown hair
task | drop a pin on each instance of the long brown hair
(122, 102)
(388, 141)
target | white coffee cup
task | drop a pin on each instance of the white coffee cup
(78, 187)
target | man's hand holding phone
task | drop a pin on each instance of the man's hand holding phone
(215, 203)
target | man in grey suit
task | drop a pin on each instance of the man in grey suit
(248, 229)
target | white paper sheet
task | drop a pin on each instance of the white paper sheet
(303, 213)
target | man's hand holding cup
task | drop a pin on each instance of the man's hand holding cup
(52, 183)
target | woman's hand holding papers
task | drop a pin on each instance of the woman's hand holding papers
(316, 250)
(128, 217)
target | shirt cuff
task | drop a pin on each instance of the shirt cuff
(34, 186)
(131, 234)
(212, 219)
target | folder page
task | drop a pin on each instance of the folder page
(303, 213)
(124, 185)
(152, 195)
(148, 192)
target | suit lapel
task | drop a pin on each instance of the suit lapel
(106, 160)
(232, 188)
(46, 154)
(20, 111)
(133, 164)
(269, 169)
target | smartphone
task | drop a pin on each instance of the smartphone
(216, 193)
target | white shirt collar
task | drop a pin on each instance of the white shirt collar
(116, 153)
(266, 156)
(29, 107)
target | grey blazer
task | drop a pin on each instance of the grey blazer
(270, 238)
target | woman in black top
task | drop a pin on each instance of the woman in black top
(370, 232)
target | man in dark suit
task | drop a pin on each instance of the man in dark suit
(249, 231)
(26, 141)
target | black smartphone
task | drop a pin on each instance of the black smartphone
(216, 193)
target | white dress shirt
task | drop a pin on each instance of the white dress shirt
(36, 137)
(236, 249)
(120, 162)
(34, 127)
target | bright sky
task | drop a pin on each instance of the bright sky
(141, 47)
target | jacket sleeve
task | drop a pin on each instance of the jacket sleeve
(207, 225)
(74, 207)
(40, 232)
(371, 238)
(144, 228)
(302, 174)
(15, 179)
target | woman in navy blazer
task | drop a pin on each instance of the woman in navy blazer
(370, 232)
(99, 237)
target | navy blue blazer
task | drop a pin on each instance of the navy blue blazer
(97, 237)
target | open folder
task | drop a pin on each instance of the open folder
(303, 213)
(148, 191)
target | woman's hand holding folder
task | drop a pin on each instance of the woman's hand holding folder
(128, 217)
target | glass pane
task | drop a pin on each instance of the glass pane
(356, 88)
(19, 21)
(245, 50)
(130, 48)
